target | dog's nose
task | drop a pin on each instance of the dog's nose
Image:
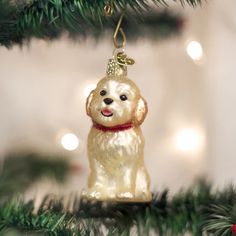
(108, 101)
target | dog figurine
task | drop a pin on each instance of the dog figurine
(115, 142)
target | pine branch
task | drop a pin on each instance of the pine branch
(221, 215)
(20, 171)
(198, 211)
(47, 19)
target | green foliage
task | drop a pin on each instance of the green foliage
(47, 19)
(197, 210)
(18, 216)
(8, 22)
(222, 213)
(20, 171)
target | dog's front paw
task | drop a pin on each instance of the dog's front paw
(125, 195)
(91, 194)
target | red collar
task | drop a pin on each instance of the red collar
(116, 128)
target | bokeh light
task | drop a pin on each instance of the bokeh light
(69, 141)
(189, 140)
(194, 50)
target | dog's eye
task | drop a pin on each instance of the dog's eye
(103, 93)
(123, 97)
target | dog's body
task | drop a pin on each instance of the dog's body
(115, 142)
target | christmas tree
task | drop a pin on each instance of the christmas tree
(198, 210)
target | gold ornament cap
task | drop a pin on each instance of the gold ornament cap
(117, 65)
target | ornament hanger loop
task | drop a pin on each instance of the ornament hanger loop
(122, 33)
(108, 9)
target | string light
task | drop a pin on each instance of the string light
(189, 140)
(194, 50)
(69, 141)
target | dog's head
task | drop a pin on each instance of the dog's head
(116, 101)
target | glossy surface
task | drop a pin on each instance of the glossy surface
(116, 160)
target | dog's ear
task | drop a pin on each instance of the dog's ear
(140, 111)
(88, 102)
